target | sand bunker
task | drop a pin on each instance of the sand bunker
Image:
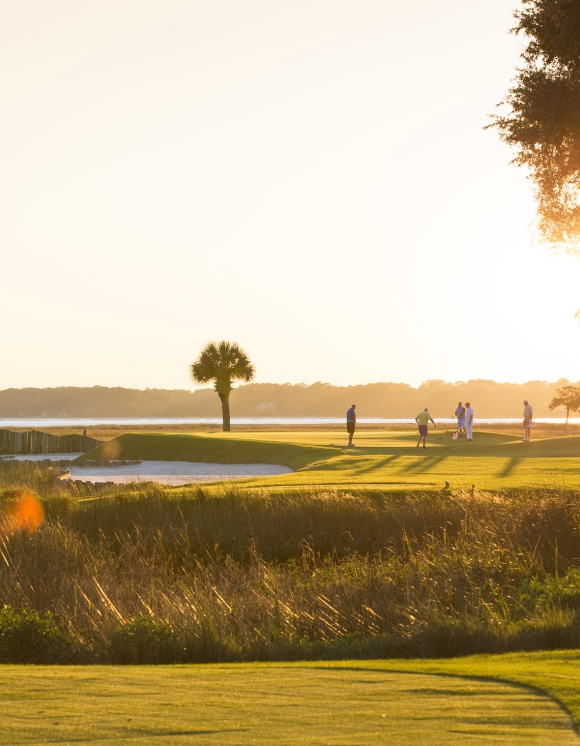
(173, 472)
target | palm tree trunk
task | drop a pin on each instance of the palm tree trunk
(225, 399)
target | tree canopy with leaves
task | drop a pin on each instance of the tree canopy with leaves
(544, 122)
(223, 363)
(568, 397)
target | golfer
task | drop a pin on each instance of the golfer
(422, 419)
(460, 414)
(469, 420)
(528, 414)
(350, 423)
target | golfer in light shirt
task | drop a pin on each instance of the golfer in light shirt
(528, 414)
(422, 420)
(469, 420)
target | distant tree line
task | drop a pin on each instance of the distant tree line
(489, 399)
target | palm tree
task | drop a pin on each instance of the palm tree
(223, 363)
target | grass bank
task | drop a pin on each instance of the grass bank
(208, 449)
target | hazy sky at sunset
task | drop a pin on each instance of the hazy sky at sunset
(310, 178)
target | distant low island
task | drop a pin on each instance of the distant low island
(386, 400)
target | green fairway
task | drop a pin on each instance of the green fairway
(341, 703)
(380, 460)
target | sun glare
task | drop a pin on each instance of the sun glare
(24, 513)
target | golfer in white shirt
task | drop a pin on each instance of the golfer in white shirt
(528, 424)
(469, 420)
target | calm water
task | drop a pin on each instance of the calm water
(38, 423)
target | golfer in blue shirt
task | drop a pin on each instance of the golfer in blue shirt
(350, 423)
(460, 414)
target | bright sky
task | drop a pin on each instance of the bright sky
(310, 178)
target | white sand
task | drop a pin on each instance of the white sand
(174, 472)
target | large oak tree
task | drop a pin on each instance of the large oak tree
(567, 397)
(544, 121)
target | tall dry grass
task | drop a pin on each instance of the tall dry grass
(232, 575)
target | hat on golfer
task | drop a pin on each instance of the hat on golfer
(525, 401)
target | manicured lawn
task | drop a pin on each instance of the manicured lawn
(318, 703)
(380, 460)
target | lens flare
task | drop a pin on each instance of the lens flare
(24, 512)
(110, 450)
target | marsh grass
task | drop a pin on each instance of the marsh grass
(150, 574)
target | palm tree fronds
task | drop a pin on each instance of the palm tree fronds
(222, 362)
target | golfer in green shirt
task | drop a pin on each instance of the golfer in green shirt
(422, 419)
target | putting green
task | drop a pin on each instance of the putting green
(380, 460)
(343, 703)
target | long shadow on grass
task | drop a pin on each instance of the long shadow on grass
(377, 464)
(435, 675)
(427, 463)
(509, 467)
(489, 678)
